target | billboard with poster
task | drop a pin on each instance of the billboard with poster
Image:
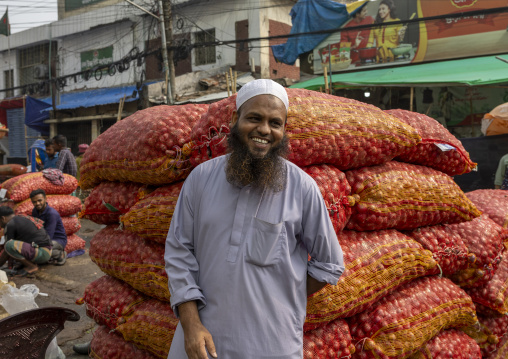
(383, 38)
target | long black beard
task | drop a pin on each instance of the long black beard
(243, 168)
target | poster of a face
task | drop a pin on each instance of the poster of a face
(378, 35)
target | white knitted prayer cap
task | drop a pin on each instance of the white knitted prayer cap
(261, 87)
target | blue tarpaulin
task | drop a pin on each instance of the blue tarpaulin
(34, 117)
(309, 16)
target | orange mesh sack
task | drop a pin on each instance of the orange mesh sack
(328, 342)
(110, 301)
(403, 321)
(439, 149)
(449, 344)
(493, 202)
(447, 247)
(71, 225)
(109, 200)
(150, 217)
(209, 134)
(151, 327)
(145, 147)
(494, 293)
(19, 187)
(321, 128)
(130, 258)
(405, 196)
(65, 205)
(74, 243)
(377, 263)
(335, 191)
(484, 238)
(107, 344)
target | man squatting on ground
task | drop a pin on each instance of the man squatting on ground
(237, 248)
(52, 223)
(26, 241)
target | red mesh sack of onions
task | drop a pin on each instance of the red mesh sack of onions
(501, 352)
(449, 344)
(65, 205)
(107, 344)
(405, 196)
(321, 128)
(19, 187)
(109, 200)
(74, 243)
(71, 225)
(151, 216)
(494, 293)
(497, 330)
(447, 247)
(110, 301)
(452, 159)
(130, 258)
(335, 191)
(493, 202)
(328, 342)
(151, 327)
(145, 147)
(403, 321)
(482, 335)
(484, 238)
(376, 264)
(209, 133)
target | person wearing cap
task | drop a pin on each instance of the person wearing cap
(237, 251)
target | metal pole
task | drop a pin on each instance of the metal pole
(330, 67)
(168, 26)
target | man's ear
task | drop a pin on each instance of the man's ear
(234, 118)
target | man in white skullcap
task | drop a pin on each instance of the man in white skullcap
(240, 237)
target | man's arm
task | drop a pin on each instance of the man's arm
(198, 339)
(501, 171)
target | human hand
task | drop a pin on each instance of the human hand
(198, 341)
(358, 39)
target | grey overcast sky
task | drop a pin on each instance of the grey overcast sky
(25, 14)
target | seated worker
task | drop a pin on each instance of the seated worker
(26, 241)
(501, 179)
(52, 155)
(53, 225)
(66, 161)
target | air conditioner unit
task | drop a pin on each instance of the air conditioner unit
(41, 71)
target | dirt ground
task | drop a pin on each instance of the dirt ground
(64, 284)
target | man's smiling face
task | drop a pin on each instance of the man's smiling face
(260, 123)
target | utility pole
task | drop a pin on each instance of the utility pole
(168, 23)
(169, 93)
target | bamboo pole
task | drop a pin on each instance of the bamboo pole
(325, 74)
(234, 82)
(231, 79)
(411, 99)
(227, 83)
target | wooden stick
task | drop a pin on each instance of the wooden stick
(231, 79)
(411, 99)
(227, 83)
(325, 73)
(234, 82)
(120, 108)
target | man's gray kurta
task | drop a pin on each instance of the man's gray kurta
(242, 254)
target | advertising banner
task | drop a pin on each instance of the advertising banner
(92, 58)
(76, 4)
(383, 38)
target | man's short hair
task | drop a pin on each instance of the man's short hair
(6, 211)
(36, 192)
(60, 140)
(48, 142)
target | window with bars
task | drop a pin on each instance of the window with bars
(204, 55)
(30, 57)
(9, 82)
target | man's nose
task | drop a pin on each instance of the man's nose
(264, 128)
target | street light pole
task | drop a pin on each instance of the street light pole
(169, 96)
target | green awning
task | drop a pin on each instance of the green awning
(485, 70)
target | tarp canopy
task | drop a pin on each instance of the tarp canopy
(309, 16)
(485, 70)
(35, 115)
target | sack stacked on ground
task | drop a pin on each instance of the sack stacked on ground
(74, 243)
(493, 202)
(145, 147)
(321, 129)
(19, 187)
(405, 196)
(498, 328)
(403, 321)
(71, 225)
(328, 342)
(65, 205)
(109, 200)
(484, 238)
(451, 159)
(449, 344)
(150, 218)
(377, 263)
(335, 191)
(132, 259)
(107, 344)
